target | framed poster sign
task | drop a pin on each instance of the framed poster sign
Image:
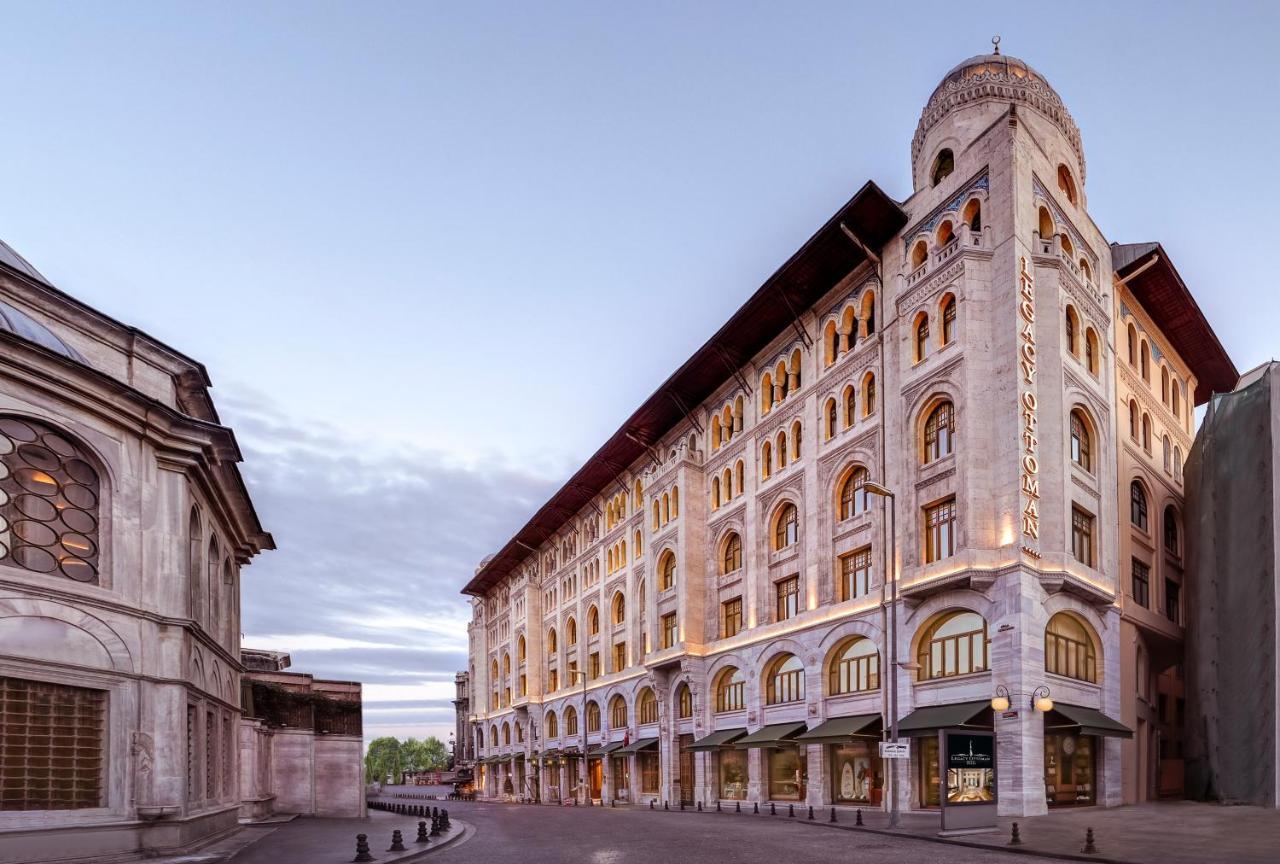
(969, 782)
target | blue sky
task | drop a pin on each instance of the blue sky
(433, 254)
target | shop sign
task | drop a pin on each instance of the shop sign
(969, 782)
(895, 749)
(1028, 409)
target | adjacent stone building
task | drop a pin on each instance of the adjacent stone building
(124, 525)
(1233, 606)
(702, 612)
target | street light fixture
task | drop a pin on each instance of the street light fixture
(891, 575)
(1040, 700)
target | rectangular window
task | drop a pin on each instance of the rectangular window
(193, 779)
(227, 755)
(855, 574)
(1141, 583)
(524, 684)
(51, 746)
(619, 656)
(210, 757)
(553, 681)
(730, 617)
(669, 630)
(1082, 536)
(733, 774)
(593, 665)
(940, 531)
(788, 598)
(1172, 594)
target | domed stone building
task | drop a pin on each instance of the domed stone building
(893, 490)
(124, 525)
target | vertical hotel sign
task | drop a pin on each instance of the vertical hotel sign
(1029, 444)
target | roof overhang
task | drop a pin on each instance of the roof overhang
(826, 258)
(1156, 284)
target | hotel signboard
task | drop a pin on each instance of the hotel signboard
(969, 782)
(1028, 408)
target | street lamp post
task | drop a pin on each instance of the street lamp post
(892, 577)
(582, 721)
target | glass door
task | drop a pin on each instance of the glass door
(686, 769)
(1069, 770)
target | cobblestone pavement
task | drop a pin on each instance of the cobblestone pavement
(523, 834)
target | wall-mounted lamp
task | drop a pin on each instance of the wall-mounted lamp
(1040, 700)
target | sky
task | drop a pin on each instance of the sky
(434, 254)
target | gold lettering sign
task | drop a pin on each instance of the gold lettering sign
(1030, 461)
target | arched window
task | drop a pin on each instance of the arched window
(869, 312)
(553, 726)
(506, 666)
(766, 393)
(593, 717)
(506, 734)
(684, 702)
(1073, 327)
(593, 621)
(731, 553)
(1081, 445)
(973, 214)
(1175, 398)
(1171, 533)
(731, 689)
(919, 254)
(780, 449)
(739, 475)
(868, 395)
(1164, 385)
(571, 721)
(1146, 431)
(853, 494)
(786, 526)
(946, 233)
(1177, 463)
(855, 668)
(830, 418)
(1131, 335)
(1091, 351)
(715, 493)
(1044, 225)
(1144, 359)
(551, 642)
(1133, 419)
(667, 571)
(830, 343)
(954, 644)
(675, 502)
(939, 432)
(1138, 505)
(647, 707)
(211, 582)
(766, 460)
(1167, 446)
(943, 164)
(49, 495)
(1069, 648)
(619, 608)
(618, 713)
(493, 734)
(784, 680)
(922, 337)
(949, 320)
(571, 632)
(1066, 184)
(849, 406)
(195, 569)
(796, 430)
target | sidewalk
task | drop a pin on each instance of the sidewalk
(1174, 832)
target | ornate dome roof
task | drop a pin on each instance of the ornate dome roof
(1002, 78)
(23, 325)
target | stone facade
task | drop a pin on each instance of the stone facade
(731, 580)
(124, 525)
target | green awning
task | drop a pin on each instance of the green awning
(926, 721)
(611, 747)
(551, 754)
(840, 730)
(718, 739)
(638, 745)
(771, 736)
(1089, 721)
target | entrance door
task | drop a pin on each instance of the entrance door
(595, 776)
(686, 777)
(1069, 769)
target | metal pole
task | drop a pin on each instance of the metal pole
(893, 656)
(586, 792)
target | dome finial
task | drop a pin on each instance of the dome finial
(995, 44)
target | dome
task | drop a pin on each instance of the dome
(23, 325)
(997, 77)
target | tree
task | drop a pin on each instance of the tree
(385, 758)
(428, 754)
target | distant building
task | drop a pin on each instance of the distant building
(301, 744)
(1233, 607)
(124, 526)
(464, 748)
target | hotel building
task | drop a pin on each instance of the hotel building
(706, 611)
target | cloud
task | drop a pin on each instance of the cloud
(375, 541)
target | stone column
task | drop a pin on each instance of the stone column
(819, 775)
(756, 783)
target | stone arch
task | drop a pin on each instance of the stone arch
(115, 652)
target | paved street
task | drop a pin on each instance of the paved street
(522, 834)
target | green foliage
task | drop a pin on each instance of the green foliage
(389, 756)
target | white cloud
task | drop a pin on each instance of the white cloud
(423, 690)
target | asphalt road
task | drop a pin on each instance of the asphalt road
(523, 834)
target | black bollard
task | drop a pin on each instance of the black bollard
(613, 803)
(575, 802)
(773, 810)
(681, 805)
(664, 806)
(756, 808)
(650, 803)
(811, 814)
(422, 833)
(1015, 839)
(791, 811)
(397, 842)
(737, 806)
(588, 797)
(444, 814)
(362, 848)
(717, 805)
(833, 815)
(1089, 848)
(434, 812)
(858, 820)
(699, 806)
(435, 826)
